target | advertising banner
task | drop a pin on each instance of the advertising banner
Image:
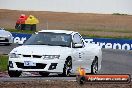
(108, 43)
(20, 37)
(123, 44)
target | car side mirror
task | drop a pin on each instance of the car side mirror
(78, 45)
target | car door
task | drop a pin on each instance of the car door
(78, 53)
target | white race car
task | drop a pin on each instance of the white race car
(54, 51)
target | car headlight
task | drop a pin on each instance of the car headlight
(9, 35)
(51, 56)
(13, 55)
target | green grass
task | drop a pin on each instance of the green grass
(3, 62)
(84, 29)
(113, 37)
(89, 35)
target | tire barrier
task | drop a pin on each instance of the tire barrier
(26, 22)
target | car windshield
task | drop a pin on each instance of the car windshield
(52, 39)
(1, 28)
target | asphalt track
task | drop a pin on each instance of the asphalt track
(114, 62)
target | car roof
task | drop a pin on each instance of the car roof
(1, 28)
(58, 31)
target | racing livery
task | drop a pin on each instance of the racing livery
(54, 51)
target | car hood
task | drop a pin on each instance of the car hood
(40, 50)
(4, 33)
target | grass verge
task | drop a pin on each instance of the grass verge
(112, 37)
(3, 62)
(88, 35)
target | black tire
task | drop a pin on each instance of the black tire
(94, 66)
(67, 67)
(44, 74)
(22, 26)
(18, 26)
(33, 27)
(14, 73)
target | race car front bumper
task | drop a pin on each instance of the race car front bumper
(35, 64)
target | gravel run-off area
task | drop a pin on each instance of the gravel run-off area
(59, 84)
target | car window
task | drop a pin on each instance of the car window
(53, 39)
(77, 39)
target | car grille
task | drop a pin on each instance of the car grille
(5, 40)
(34, 56)
(38, 66)
(26, 55)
